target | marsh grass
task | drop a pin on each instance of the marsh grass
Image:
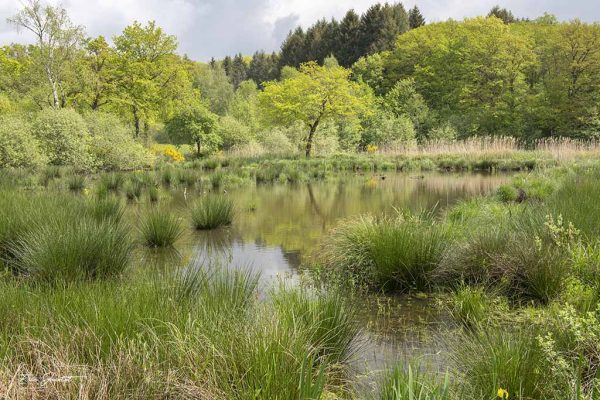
(76, 182)
(63, 250)
(129, 337)
(388, 252)
(160, 228)
(112, 181)
(501, 357)
(134, 189)
(212, 211)
(412, 383)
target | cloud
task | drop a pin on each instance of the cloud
(207, 28)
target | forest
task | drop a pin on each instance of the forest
(392, 83)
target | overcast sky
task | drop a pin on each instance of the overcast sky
(216, 28)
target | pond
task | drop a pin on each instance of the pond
(277, 226)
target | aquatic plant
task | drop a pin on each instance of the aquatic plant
(212, 211)
(160, 228)
(64, 250)
(390, 253)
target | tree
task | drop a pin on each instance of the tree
(238, 71)
(314, 94)
(293, 49)
(195, 125)
(263, 67)
(214, 86)
(57, 40)
(100, 63)
(348, 39)
(502, 13)
(415, 18)
(147, 65)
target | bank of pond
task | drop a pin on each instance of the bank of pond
(362, 284)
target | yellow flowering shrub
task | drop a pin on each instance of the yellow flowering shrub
(371, 148)
(168, 152)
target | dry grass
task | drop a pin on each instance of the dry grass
(501, 147)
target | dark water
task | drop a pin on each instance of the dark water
(276, 226)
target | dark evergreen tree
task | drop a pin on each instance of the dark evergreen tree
(212, 62)
(320, 41)
(380, 26)
(415, 18)
(348, 39)
(227, 65)
(293, 49)
(502, 13)
(263, 67)
(238, 72)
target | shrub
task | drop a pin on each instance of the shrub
(113, 145)
(233, 133)
(167, 152)
(64, 250)
(212, 212)
(159, 228)
(64, 136)
(19, 148)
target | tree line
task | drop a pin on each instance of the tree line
(384, 78)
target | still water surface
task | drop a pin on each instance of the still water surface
(276, 226)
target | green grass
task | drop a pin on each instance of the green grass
(198, 334)
(411, 383)
(212, 211)
(160, 228)
(396, 253)
(501, 357)
(76, 183)
(64, 250)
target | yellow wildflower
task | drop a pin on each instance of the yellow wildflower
(371, 148)
(503, 394)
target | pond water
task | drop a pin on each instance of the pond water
(276, 226)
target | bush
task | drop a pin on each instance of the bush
(19, 148)
(212, 212)
(386, 129)
(113, 145)
(64, 137)
(233, 133)
(159, 228)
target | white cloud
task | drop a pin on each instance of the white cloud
(208, 28)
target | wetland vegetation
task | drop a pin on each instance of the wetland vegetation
(411, 214)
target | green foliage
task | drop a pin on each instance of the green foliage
(19, 148)
(233, 133)
(385, 129)
(212, 211)
(113, 146)
(195, 125)
(64, 137)
(312, 96)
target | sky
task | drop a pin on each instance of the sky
(215, 28)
